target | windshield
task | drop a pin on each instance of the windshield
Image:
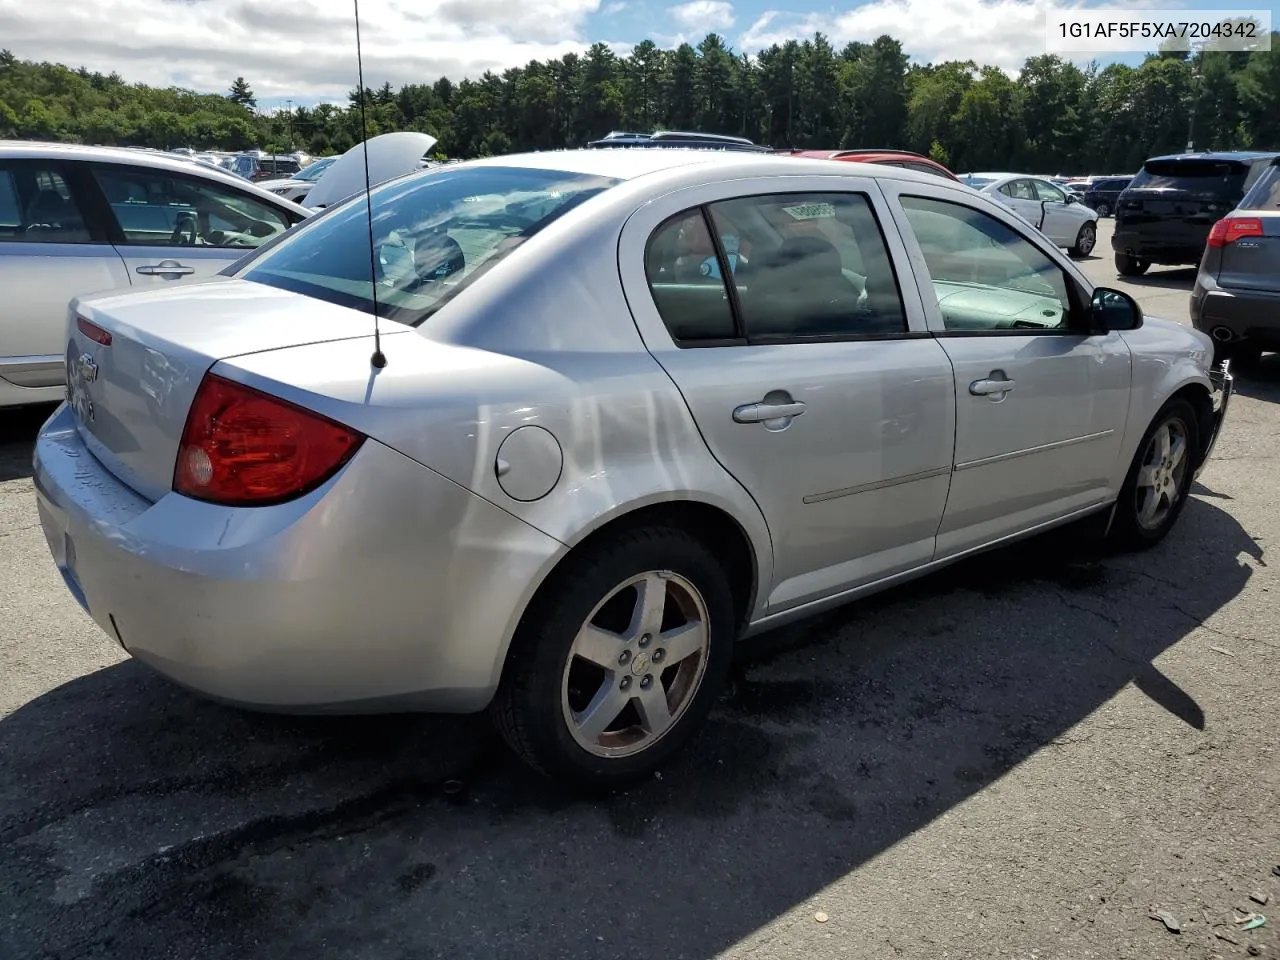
(1265, 194)
(434, 234)
(977, 182)
(313, 171)
(1218, 177)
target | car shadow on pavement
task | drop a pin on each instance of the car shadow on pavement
(1177, 278)
(137, 820)
(18, 429)
(1259, 379)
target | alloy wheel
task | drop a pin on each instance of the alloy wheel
(1161, 476)
(636, 664)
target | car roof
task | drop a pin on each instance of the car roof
(1241, 155)
(624, 163)
(38, 150)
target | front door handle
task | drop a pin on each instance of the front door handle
(995, 386)
(165, 268)
(764, 412)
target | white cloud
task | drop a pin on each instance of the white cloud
(703, 15)
(304, 49)
(612, 8)
(996, 32)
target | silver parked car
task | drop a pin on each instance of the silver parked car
(1058, 213)
(78, 219)
(589, 463)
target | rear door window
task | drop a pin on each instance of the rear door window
(37, 206)
(1265, 194)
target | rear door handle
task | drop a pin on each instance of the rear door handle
(991, 387)
(764, 412)
(165, 268)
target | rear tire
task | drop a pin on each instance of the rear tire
(1155, 490)
(1085, 240)
(1130, 266)
(600, 687)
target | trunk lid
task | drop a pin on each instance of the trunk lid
(131, 396)
(1253, 262)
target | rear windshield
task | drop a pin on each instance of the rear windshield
(1216, 177)
(977, 182)
(1265, 194)
(434, 234)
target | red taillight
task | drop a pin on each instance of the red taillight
(1230, 229)
(242, 447)
(93, 331)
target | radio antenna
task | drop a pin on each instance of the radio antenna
(379, 359)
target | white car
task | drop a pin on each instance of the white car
(76, 220)
(1055, 212)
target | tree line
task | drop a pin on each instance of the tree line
(1054, 117)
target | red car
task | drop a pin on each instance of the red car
(892, 158)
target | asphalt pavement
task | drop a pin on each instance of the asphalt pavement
(1024, 756)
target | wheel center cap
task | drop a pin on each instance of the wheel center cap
(640, 665)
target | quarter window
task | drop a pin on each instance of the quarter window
(156, 208)
(987, 277)
(684, 276)
(37, 206)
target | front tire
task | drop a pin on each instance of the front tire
(1085, 240)
(1103, 209)
(1130, 266)
(619, 660)
(1156, 488)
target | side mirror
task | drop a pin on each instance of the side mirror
(1072, 198)
(1114, 310)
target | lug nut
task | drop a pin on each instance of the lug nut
(626, 683)
(625, 657)
(645, 640)
(647, 682)
(658, 655)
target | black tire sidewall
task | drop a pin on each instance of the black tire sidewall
(1126, 528)
(535, 667)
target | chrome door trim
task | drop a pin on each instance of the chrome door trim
(1041, 448)
(35, 371)
(877, 485)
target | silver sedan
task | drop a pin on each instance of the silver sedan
(625, 407)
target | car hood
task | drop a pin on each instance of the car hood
(391, 155)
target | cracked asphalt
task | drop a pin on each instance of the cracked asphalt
(1023, 756)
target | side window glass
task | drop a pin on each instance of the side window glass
(684, 277)
(810, 265)
(156, 208)
(1022, 190)
(36, 206)
(987, 277)
(1047, 191)
(923, 168)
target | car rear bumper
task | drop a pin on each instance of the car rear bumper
(388, 588)
(1156, 248)
(1245, 314)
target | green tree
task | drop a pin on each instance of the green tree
(241, 93)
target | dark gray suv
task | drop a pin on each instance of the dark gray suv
(1236, 299)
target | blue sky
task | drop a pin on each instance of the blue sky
(305, 49)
